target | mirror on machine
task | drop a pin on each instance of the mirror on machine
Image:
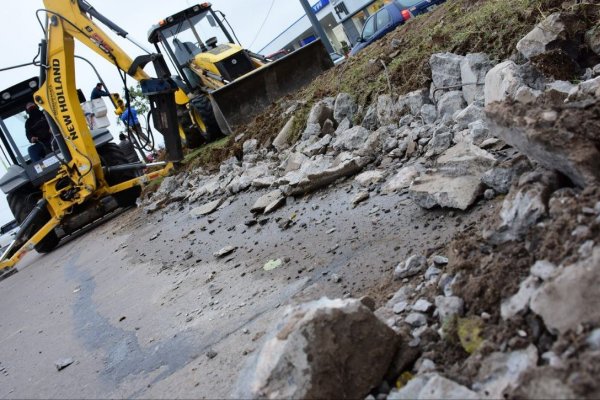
(211, 21)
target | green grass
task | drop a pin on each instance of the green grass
(458, 26)
(205, 155)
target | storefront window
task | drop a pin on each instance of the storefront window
(372, 9)
(359, 20)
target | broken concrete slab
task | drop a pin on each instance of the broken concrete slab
(207, 208)
(445, 69)
(369, 178)
(263, 182)
(387, 113)
(500, 372)
(311, 341)
(274, 205)
(320, 112)
(403, 178)
(414, 101)
(345, 107)
(312, 181)
(468, 115)
(473, 69)
(465, 159)
(265, 200)
(457, 181)
(554, 137)
(549, 35)
(570, 298)
(319, 147)
(283, 139)
(519, 302)
(432, 190)
(432, 386)
(502, 82)
(370, 120)
(224, 251)
(352, 139)
(450, 103)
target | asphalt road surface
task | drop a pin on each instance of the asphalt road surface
(145, 310)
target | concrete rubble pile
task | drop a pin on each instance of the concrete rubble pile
(485, 131)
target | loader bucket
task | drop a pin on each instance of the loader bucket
(240, 101)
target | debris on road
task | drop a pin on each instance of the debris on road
(63, 363)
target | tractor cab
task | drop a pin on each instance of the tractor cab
(201, 48)
(14, 145)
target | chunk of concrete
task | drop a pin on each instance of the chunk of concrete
(207, 208)
(445, 69)
(500, 372)
(345, 107)
(550, 34)
(310, 342)
(320, 112)
(554, 137)
(571, 298)
(284, 137)
(473, 69)
(369, 178)
(265, 200)
(403, 178)
(352, 139)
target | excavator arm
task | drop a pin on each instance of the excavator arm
(82, 175)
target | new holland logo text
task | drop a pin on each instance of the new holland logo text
(62, 99)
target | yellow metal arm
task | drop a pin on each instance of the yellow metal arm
(81, 177)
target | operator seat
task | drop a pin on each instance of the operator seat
(185, 51)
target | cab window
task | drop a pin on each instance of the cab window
(369, 28)
(383, 18)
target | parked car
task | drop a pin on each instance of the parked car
(7, 234)
(388, 17)
(337, 58)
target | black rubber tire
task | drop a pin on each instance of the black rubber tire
(204, 108)
(21, 202)
(110, 155)
(193, 136)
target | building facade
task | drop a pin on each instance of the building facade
(342, 21)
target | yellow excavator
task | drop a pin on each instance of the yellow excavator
(83, 172)
(222, 85)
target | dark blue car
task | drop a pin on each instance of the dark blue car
(388, 17)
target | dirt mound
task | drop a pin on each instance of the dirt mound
(458, 26)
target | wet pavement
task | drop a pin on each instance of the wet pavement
(141, 302)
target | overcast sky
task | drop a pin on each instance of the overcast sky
(21, 33)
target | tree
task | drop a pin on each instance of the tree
(138, 101)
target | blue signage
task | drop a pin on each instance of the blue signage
(318, 6)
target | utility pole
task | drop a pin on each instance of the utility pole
(317, 25)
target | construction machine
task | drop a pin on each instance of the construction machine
(222, 84)
(84, 172)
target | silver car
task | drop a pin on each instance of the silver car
(7, 234)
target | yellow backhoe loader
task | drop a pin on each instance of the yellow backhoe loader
(82, 172)
(224, 84)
